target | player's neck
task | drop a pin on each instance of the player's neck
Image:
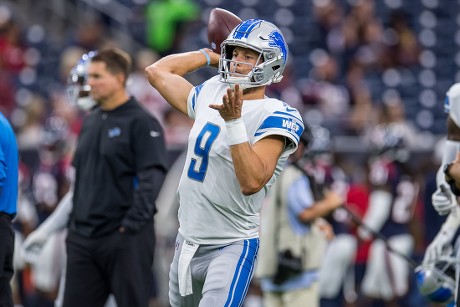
(114, 101)
(254, 93)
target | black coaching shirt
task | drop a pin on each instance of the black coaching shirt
(113, 147)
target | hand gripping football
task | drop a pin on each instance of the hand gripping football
(221, 22)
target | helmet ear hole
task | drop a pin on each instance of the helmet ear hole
(269, 55)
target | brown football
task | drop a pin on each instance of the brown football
(221, 22)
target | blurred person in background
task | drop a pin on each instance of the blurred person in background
(392, 200)
(336, 274)
(109, 104)
(291, 228)
(30, 130)
(120, 164)
(9, 168)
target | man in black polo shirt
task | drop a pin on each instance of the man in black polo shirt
(120, 165)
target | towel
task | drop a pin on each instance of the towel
(184, 271)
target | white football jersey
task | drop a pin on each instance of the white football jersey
(213, 210)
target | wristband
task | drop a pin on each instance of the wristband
(208, 58)
(236, 131)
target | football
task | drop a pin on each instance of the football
(221, 22)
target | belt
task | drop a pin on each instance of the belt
(6, 215)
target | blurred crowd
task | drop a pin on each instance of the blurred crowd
(354, 69)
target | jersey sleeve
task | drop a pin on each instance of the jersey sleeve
(148, 143)
(287, 123)
(193, 99)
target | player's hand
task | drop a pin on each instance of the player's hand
(232, 103)
(441, 242)
(443, 200)
(33, 244)
(325, 228)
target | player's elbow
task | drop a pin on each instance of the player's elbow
(249, 192)
(153, 74)
(249, 189)
(250, 185)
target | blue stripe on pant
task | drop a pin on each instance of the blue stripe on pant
(243, 273)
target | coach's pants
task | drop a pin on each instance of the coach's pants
(119, 263)
(6, 261)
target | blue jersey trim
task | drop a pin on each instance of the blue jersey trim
(286, 122)
(195, 95)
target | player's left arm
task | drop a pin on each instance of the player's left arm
(254, 165)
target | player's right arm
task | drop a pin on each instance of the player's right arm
(167, 75)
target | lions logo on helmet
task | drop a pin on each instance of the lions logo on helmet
(436, 280)
(264, 38)
(78, 91)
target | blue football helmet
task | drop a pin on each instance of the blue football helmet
(436, 280)
(78, 91)
(264, 38)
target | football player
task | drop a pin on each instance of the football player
(444, 201)
(238, 145)
(391, 205)
(336, 271)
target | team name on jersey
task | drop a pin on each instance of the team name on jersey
(291, 125)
